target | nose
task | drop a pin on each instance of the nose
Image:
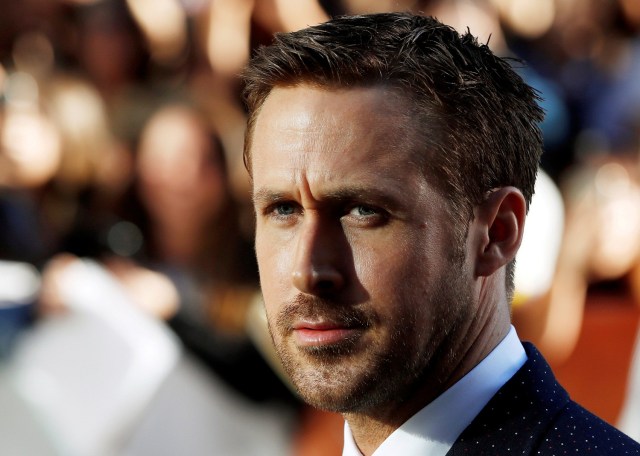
(320, 254)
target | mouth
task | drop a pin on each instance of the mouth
(319, 334)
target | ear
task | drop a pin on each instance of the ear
(498, 225)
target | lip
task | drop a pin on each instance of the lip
(317, 334)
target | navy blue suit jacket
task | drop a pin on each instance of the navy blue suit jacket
(533, 415)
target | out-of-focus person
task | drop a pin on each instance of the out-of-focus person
(195, 267)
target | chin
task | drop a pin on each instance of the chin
(340, 385)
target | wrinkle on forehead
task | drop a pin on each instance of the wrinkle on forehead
(374, 102)
(312, 114)
(307, 137)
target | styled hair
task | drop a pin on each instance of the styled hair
(480, 119)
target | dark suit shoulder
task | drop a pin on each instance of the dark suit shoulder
(533, 415)
(575, 430)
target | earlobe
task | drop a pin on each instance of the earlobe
(500, 224)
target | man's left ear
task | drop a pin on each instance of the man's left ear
(498, 225)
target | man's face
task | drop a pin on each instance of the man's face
(354, 246)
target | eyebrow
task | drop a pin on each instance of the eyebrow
(265, 197)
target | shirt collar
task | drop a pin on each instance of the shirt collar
(435, 428)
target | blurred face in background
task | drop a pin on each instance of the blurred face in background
(181, 176)
(108, 47)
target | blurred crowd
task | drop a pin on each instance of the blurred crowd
(121, 133)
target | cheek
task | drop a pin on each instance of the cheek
(385, 267)
(274, 264)
(385, 258)
(399, 276)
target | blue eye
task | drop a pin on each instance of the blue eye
(363, 211)
(284, 209)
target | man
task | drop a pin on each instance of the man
(393, 162)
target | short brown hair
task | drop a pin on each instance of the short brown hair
(481, 119)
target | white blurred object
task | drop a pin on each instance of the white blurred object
(196, 414)
(105, 379)
(19, 282)
(544, 228)
(629, 421)
(87, 376)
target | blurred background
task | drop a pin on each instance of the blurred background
(130, 315)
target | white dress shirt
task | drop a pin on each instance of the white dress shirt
(434, 429)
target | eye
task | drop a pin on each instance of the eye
(284, 209)
(363, 211)
(282, 212)
(365, 216)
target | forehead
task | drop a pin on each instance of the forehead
(333, 131)
(321, 100)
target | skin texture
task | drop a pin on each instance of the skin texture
(372, 309)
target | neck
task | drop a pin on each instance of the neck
(471, 342)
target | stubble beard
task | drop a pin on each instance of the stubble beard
(326, 376)
(359, 375)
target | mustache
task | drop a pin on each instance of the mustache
(304, 307)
